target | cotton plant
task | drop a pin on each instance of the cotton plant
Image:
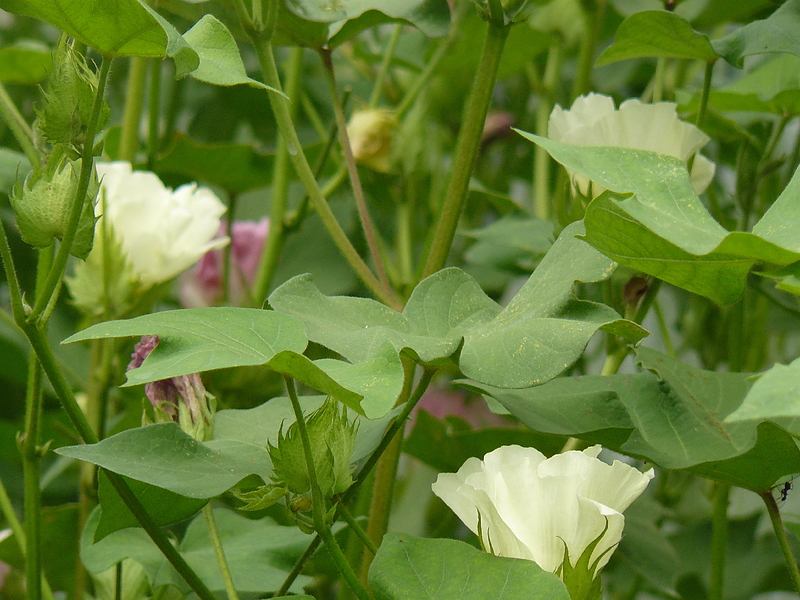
(146, 235)
(564, 513)
(261, 114)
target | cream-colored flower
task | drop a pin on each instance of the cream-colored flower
(593, 121)
(524, 505)
(147, 235)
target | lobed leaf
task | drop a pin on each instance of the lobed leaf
(540, 333)
(663, 228)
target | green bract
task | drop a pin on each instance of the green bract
(332, 439)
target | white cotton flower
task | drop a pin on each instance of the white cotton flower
(524, 505)
(593, 121)
(153, 234)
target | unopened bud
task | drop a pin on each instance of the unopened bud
(371, 134)
(68, 99)
(332, 439)
(42, 205)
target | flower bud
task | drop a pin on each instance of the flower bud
(42, 205)
(371, 134)
(68, 99)
(332, 441)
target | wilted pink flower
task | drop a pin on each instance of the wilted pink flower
(166, 394)
(202, 286)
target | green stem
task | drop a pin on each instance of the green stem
(719, 539)
(541, 158)
(280, 187)
(280, 107)
(355, 181)
(134, 99)
(398, 424)
(79, 421)
(591, 34)
(419, 84)
(658, 79)
(31, 457)
(701, 111)
(383, 71)
(18, 126)
(56, 274)
(219, 552)
(153, 112)
(298, 567)
(356, 528)
(783, 540)
(467, 146)
(386, 473)
(7, 510)
(319, 502)
(664, 329)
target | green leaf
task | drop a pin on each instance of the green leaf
(234, 167)
(432, 17)
(164, 456)
(410, 567)
(220, 61)
(657, 33)
(163, 506)
(773, 398)
(780, 32)
(112, 27)
(25, 62)
(772, 86)
(260, 553)
(540, 333)
(201, 339)
(674, 417)
(664, 230)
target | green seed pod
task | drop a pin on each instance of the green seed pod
(332, 440)
(41, 205)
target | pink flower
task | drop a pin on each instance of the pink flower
(443, 403)
(202, 286)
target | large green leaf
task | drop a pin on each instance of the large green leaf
(112, 27)
(260, 553)
(165, 456)
(674, 416)
(663, 228)
(432, 17)
(410, 567)
(203, 339)
(27, 61)
(657, 33)
(780, 32)
(220, 61)
(542, 331)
